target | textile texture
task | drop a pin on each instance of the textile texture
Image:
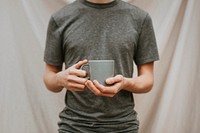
(172, 106)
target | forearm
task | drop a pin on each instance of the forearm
(51, 82)
(140, 84)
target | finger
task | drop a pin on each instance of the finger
(75, 89)
(96, 91)
(102, 88)
(110, 80)
(108, 90)
(91, 86)
(80, 63)
(79, 80)
(99, 86)
(113, 80)
(76, 85)
(77, 72)
(107, 95)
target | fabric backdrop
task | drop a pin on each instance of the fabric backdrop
(26, 106)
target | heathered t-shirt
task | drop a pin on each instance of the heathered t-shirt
(114, 31)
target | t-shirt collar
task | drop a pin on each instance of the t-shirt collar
(99, 5)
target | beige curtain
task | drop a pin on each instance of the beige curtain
(171, 107)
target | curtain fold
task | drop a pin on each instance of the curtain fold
(172, 106)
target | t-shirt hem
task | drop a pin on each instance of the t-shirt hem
(146, 60)
(54, 63)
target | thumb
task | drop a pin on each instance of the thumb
(80, 63)
(113, 80)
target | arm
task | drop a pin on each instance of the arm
(144, 82)
(141, 84)
(50, 78)
(55, 79)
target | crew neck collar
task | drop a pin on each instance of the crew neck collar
(99, 5)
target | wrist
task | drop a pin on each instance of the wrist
(125, 82)
(128, 83)
(57, 80)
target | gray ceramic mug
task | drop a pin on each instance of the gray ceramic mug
(99, 70)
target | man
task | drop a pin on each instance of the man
(99, 30)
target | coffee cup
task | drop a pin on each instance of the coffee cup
(99, 70)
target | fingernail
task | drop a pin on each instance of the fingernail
(107, 81)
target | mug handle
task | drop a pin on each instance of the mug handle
(85, 67)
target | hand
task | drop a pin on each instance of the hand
(72, 78)
(117, 83)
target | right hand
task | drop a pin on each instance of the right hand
(73, 78)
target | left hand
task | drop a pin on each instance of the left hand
(117, 83)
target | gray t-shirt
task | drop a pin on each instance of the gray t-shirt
(114, 31)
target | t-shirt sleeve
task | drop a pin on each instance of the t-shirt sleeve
(146, 50)
(53, 53)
